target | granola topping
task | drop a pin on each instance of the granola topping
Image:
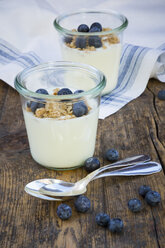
(108, 39)
(57, 110)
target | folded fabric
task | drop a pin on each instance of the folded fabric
(137, 65)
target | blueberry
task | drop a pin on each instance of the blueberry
(80, 109)
(96, 25)
(78, 91)
(64, 211)
(102, 219)
(112, 155)
(94, 29)
(36, 105)
(95, 41)
(64, 91)
(152, 198)
(42, 91)
(83, 28)
(135, 205)
(80, 42)
(161, 94)
(116, 225)
(82, 204)
(91, 164)
(68, 39)
(143, 190)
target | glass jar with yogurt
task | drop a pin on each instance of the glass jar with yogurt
(94, 38)
(60, 102)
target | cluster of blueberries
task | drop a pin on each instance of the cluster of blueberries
(115, 225)
(82, 42)
(79, 108)
(82, 203)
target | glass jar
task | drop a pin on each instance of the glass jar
(61, 122)
(101, 49)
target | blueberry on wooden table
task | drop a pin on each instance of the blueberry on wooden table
(64, 211)
(91, 164)
(82, 204)
(102, 219)
(161, 94)
(134, 205)
(143, 190)
(115, 225)
(112, 155)
(83, 28)
(153, 198)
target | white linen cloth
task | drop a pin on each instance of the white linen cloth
(28, 38)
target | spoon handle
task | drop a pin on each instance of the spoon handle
(134, 170)
(125, 162)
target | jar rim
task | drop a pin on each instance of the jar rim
(57, 64)
(118, 29)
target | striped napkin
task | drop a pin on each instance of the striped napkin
(137, 66)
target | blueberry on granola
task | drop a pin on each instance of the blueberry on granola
(33, 106)
(78, 91)
(115, 225)
(94, 29)
(96, 25)
(82, 204)
(112, 155)
(91, 164)
(80, 42)
(95, 41)
(102, 219)
(83, 28)
(161, 94)
(68, 39)
(152, 198)
(64, 91)
(42, 91)
(64, 211)
(80, 109)
(135, 205)
(143, 190)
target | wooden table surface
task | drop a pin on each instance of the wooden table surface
(28, 222)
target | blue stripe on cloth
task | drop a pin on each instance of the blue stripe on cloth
(10, 54)
(130, 63)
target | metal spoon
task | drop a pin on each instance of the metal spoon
(135, 170)
(34, 187)
(70, 189)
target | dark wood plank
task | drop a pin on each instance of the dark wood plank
(27, 222)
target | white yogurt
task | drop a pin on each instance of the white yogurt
(61, 143)
(106, 60)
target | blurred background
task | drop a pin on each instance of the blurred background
(29, 24)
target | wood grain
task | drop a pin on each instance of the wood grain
(28, 222)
